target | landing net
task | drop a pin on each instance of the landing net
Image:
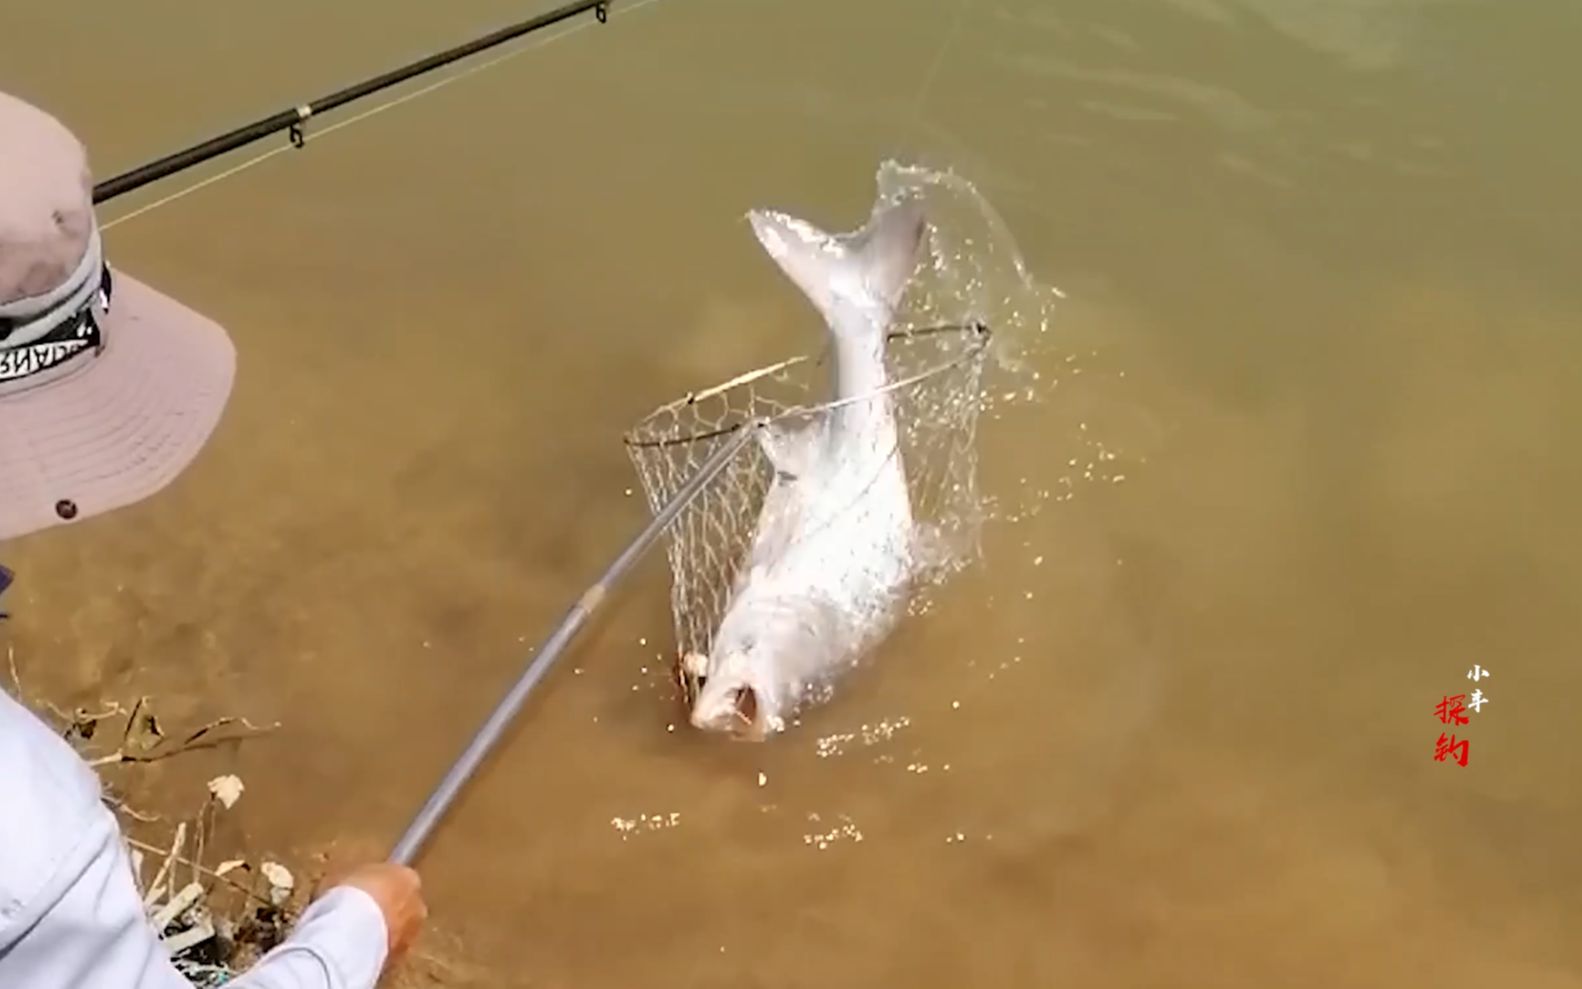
(933, 375)
(970, 288)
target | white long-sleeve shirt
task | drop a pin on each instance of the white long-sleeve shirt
(70, 914)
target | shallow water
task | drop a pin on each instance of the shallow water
(1307, 463)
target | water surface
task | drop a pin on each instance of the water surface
(1177, 731)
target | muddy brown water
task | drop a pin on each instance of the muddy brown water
(1178, 730)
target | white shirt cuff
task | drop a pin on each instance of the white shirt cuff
(342, 931)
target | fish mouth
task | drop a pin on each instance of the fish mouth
(739, 715)
(738, 710)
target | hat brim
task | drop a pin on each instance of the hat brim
(124, 426)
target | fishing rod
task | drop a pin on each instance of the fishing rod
(292, 120)
(466, 765)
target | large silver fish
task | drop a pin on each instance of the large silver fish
(832, 554)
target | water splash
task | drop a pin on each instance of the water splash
(845, 830)
(627, 826)
(975, 273)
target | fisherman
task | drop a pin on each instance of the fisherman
(108, 390)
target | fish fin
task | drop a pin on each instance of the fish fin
(789, 449)
(805, 253)
(885, 249)
(869, 266)
(932, 550)
(779, 520)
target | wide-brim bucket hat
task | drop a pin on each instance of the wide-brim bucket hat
(108, 388)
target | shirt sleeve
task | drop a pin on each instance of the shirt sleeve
(339, 942)
(70, 913)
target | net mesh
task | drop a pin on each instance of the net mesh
(934, 374)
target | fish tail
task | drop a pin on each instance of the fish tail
(867, 268)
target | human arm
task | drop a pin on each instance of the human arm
(71, 916)
(368, 917)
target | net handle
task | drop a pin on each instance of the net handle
(417, 833)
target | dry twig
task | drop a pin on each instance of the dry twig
(157, 887)
(117, 804)
(16, 681)
(191, 743)
(205, 870)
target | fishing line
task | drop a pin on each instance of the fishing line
(939, 60)
(532, 45)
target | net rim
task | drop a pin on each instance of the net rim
(977, 331)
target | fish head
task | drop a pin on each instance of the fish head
(737, 698)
